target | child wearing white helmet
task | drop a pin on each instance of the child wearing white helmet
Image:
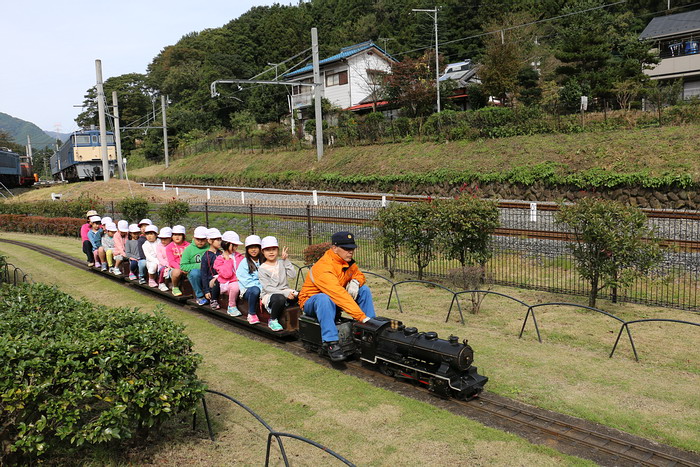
(225, 266)
(137, 262)
(119, 250)
(108, 243)
(84, 230)
(190, 262)
(210, 286)
(247, 273)
(273, 273)
(95, 237)
(165, 237)
(149, 250)
(174, 251)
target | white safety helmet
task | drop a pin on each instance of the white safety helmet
(200, 232)
(268, 242)
(165, 232)
(94, 219)
(179, 229)
(252, 240)
(134, 228)
(145, 221)
(231, 237)
(111, 227)
(106, 220)
(151, 228)
(123, 226)
(213, 233)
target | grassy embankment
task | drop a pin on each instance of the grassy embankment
(656, 151)
(570, 372)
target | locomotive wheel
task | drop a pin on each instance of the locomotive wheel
(385, 369)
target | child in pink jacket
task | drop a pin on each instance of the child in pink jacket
(166, 237)
(174, 252)
(225, 265)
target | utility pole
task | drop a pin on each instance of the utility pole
(117, 135)
(29, 150)
(434, 15)
(165, 132)
(317, 94)
(103, 122)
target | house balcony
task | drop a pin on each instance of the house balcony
(681, 66)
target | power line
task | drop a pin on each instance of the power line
(516, 26)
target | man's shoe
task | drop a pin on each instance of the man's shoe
(253, 319)
(334, 351)
(177, 292)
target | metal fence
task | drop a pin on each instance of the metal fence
(529, 249)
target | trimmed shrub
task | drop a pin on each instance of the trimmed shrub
(133, 209)
(173, 212)
(77, 374)
(313, 253)
(62, 226)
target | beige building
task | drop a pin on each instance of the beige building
(677, 39)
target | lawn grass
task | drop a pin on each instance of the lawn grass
(642, 149)
(569, 372)
(368, 425)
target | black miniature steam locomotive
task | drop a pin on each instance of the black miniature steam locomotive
(443, 366)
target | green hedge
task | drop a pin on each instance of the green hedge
(76, 208)
(78, 374)
(550, 174)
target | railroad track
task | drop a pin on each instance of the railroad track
(541, 206)
(567, 434)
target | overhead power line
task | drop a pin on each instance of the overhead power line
(516, 26)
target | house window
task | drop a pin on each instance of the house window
(296, 90)
(375, 77)
(337, 79)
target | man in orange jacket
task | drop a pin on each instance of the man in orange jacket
(335, 282)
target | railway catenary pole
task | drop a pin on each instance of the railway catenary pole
(103, 120)
(317, 94)
(117, 135)
(165, 132)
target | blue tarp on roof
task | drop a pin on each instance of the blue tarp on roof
(345, 52)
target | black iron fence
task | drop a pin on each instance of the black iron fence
(529, 249)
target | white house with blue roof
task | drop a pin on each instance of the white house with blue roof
(350, 78)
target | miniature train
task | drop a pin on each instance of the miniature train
(15, 169)
(442, 366)
(80, 157)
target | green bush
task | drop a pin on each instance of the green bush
(173, 212)
(78, 374)
(133, 209)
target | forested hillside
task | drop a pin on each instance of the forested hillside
(18, 129)
(533, 53)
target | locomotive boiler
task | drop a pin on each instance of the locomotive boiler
(445, 367)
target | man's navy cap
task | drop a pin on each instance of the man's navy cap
(343, 239)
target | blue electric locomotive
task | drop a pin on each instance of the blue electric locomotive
(15, 169)
(80, 158)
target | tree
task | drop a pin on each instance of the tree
(135, 100)
(413, 226)
(612, 245)
(411, 84)
(662, 94)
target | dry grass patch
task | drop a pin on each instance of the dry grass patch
(114, 190)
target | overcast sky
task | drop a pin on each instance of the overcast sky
(49, 48)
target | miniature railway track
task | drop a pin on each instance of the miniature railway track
(567, 434)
